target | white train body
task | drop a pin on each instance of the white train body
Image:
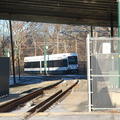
(56, 64)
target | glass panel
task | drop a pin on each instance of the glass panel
(72, 60)
(32, 65)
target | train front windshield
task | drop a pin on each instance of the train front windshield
(72, 60)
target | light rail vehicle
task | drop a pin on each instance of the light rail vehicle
(63, 63)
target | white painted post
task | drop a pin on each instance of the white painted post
(88, 72)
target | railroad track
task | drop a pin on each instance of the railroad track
(42, 99)
(9, 106)
(42, 106)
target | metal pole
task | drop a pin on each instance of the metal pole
(111, 23)
(118, 18)
(44, 55)
(88, 72)
(112, 47)
(91, 31)
(119, 40)
(12, 47)
(19, 60)
(111, 16)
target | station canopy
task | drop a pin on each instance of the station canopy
(76, 12)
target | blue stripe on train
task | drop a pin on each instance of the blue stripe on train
(53, 72)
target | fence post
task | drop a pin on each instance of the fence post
(88, 72)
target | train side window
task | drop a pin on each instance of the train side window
(42, 64)
(60, 64)
(27, 65)
(36, 64)
(49, 63)
(65, 63)
(32, 65)
(55, 63)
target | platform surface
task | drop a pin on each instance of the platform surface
(64, 116)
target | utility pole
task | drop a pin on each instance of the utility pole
(12, 47)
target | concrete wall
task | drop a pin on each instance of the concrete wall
(4, 75)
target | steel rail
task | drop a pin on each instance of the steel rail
(34, 110)
(42, 106)
(16, 102)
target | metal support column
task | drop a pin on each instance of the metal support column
(91, 82)
(45, 63)
(12, 47)
(111, 24)
(119, 41)
(91, 31)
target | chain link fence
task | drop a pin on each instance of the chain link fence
(104, 77)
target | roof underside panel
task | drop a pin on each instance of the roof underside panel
(76, 12)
